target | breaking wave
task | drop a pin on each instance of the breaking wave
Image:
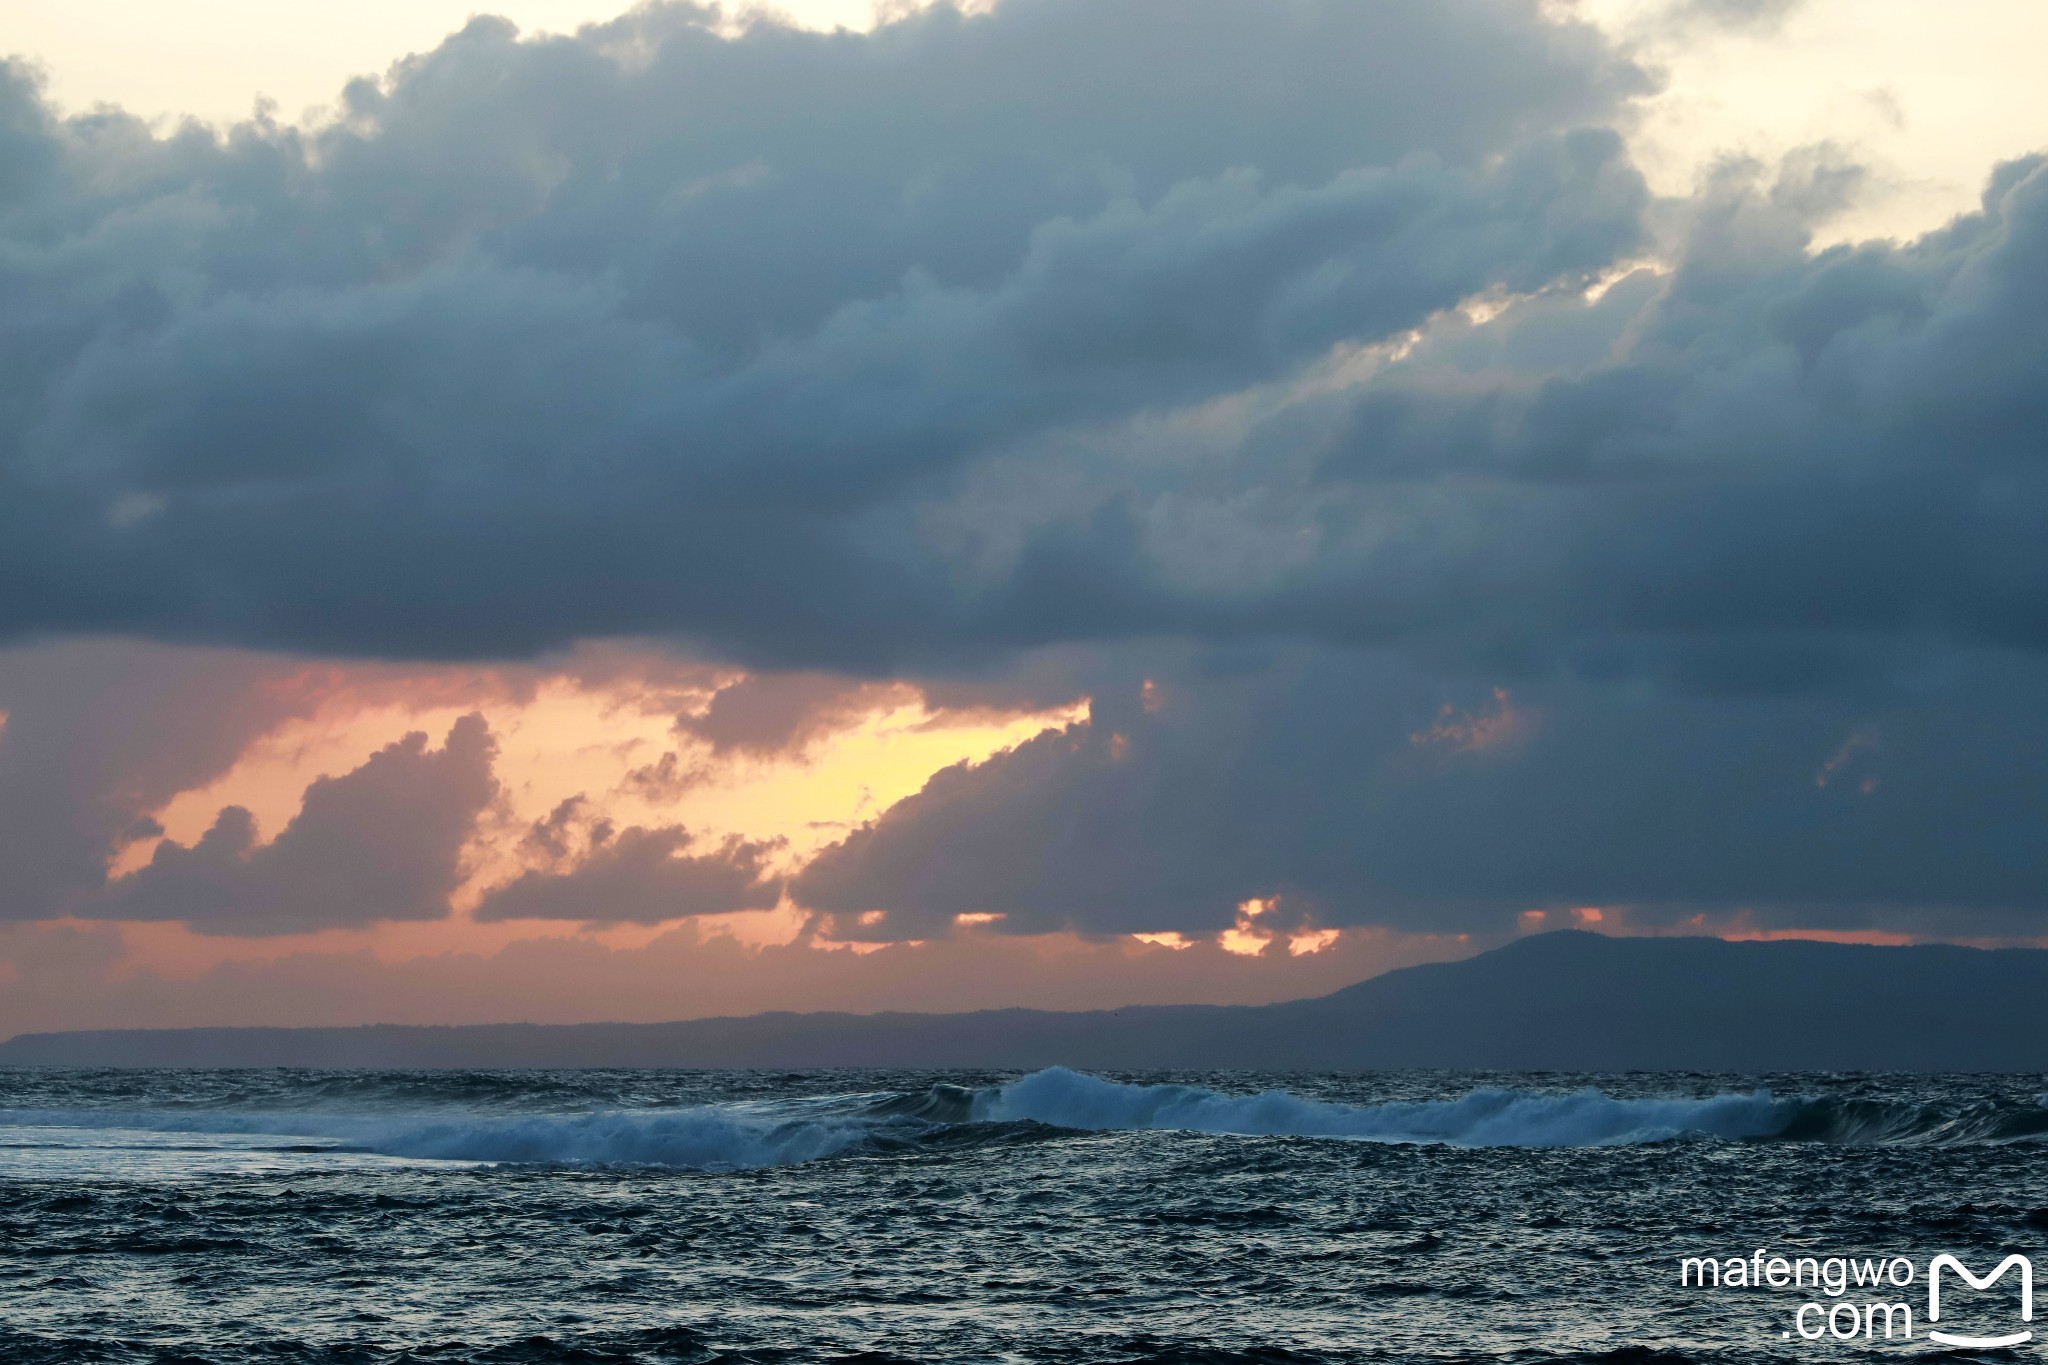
(1041, 1106)
(1481, 1118)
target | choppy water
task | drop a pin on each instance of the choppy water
(610, 1216)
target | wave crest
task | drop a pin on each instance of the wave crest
(735, 1135)
(1481, 1118)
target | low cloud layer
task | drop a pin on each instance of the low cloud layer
(1354, 791)
(383, 842)
(640, 875)
(100, 734)
(257, 794)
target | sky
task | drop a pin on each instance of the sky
(569, 515)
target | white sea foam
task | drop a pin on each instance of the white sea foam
(707, 1137)
(1481, 1118)
(735, 1136)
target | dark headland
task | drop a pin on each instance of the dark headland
(1554, 1002)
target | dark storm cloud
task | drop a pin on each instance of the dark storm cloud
(1763, 470)
(1362, 791)
(650, 330)
(383, 842)
(1756, 550)
(1786, 459)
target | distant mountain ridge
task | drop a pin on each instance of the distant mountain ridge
(1565, 1001)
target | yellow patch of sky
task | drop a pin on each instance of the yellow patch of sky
(213, 59)
(566, 740)
(1248, 938)
(1929, 97)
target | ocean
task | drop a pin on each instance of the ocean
(886, 1216)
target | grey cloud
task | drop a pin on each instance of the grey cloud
(100, 732)
(553, 837)
(1765, 470)
(644, 876)
(653, 331)
(772, 712)
(96, 734)
(1735, 14)
(1818, 451)
(1363, 791)
(666, 779)
(383, 842)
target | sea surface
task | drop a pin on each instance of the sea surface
(880, 1216)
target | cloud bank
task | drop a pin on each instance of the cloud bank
(383, 842)
(655, 331)
(1440, 525)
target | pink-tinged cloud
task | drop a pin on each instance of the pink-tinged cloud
(383, 842)
(771, 713)
(644, 876)
(100, 733)
(1491, 726)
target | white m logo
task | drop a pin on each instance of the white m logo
(1934, 1268)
